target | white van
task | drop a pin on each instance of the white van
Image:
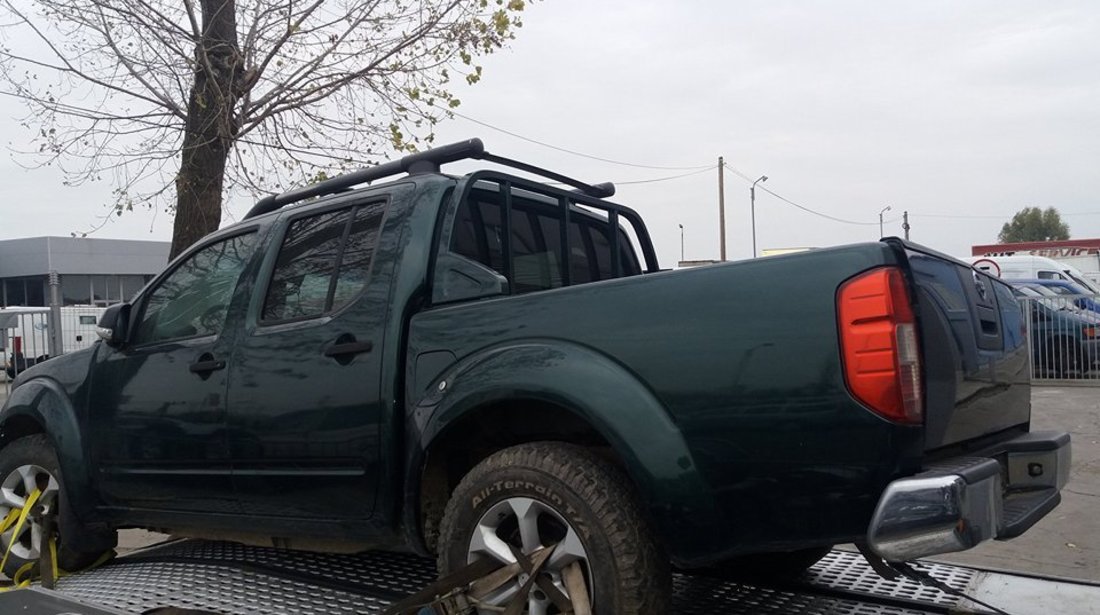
(1031, 267)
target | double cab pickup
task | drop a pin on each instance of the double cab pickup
(487, 365)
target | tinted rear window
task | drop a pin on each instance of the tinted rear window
(538, 260)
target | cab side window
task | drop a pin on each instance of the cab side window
(323, 263)
(193, 300)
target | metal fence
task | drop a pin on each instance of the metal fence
(24, 339)
(1063, 333)
(30, 335)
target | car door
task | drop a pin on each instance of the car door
(304, 382)
(157, 409)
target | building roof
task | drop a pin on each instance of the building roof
(81, 255)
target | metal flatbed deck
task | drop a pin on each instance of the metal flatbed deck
(233, 579)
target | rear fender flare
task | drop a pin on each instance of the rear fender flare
(600, 391)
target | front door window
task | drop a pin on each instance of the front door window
(192, 301)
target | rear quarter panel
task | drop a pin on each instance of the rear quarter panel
(743, 360)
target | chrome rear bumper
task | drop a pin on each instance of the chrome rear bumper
(956, 505)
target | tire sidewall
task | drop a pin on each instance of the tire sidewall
(37, 450)
(473, 501)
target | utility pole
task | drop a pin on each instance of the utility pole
(721, 209)
(905, 224)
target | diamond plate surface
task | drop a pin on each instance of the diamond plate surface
(139, 587)
(703, 596)
(242, 580)
(398, 573)
(850, 572)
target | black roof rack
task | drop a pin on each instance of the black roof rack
(428, 161)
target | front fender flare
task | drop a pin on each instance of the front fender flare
(45, 402)
(603, 393)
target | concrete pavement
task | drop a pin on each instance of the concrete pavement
(1067, 542)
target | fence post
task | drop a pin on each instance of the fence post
(57, 348)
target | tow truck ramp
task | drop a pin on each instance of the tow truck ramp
(233, 579)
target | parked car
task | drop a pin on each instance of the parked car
(476, 366)
(1065, 340)
(1080, 297)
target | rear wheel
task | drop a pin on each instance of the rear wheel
(556, 495)
(27, 465)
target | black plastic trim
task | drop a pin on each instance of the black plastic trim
(1038, 442)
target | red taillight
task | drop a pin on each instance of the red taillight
(878, 343)
(17, 345)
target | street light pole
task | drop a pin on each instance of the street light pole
(752, 207)
(880, 231)
(681, 243)
(721, 210)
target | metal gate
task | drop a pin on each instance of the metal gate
(1063, 334)
(24, 338)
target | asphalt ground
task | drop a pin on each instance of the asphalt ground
(1065, 544)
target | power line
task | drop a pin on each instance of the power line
(662, 179)
(574, 152)
(802, 207)
(655, 179)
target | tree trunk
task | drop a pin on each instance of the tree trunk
(210, 126)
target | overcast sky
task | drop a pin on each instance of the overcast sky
(959, 112)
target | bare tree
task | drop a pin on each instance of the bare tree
(192, 99)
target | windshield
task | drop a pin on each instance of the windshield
(1062, 290)
(1089, 287)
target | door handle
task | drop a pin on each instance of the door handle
(345, 347)
(206, 364)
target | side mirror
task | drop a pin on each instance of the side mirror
(458, 278)
(112, 327)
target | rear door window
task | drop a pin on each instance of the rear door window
(323, 263)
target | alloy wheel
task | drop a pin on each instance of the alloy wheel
(528, 525)
(16, 488)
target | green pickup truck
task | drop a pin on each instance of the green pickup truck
(485, 366)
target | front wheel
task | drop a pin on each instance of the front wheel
(29, 464)
(549, 494)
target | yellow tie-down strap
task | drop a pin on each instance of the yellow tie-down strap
(29, 572)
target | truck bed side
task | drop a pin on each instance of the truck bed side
(744, 358)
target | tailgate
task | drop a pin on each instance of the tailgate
(974, 349)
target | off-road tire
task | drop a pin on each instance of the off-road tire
(631, 575)
(87, 545)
